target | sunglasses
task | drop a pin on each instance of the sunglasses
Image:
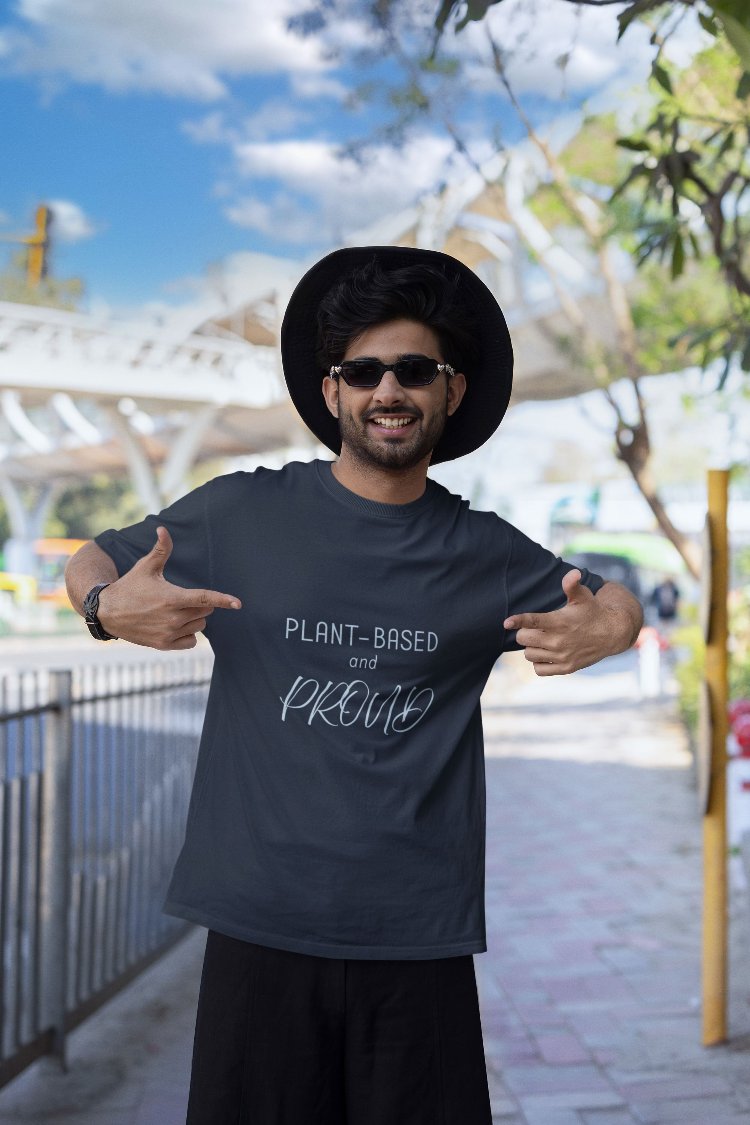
(415, 371)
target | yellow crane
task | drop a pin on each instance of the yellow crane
(38, 243)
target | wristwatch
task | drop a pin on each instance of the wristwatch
(90, 611)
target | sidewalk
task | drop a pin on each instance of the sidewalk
(590, 990)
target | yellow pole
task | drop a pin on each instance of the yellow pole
(715, 896)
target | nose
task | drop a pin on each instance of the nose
(388, 390)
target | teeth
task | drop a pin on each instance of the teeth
(392, 423)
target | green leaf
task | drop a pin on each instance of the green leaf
(743, 87)
(678, 256)
(445, 66)
(633, 144)
(475, 10)
(745, 357)
(444, 14)
(708, 23)
(660, 75)
(726, 144)
(635, 173)
(737, 29)
(637, 8)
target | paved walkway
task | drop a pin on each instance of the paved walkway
(590, 989)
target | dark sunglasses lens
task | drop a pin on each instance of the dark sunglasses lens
(362, 373)
(415, 372)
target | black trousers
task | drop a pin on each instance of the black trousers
(289, 1039)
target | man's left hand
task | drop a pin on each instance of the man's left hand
(585, 630)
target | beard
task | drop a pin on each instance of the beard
(395, 453)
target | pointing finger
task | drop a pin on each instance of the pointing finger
(205, 599)
(525, 621)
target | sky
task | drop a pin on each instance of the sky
(174, 137)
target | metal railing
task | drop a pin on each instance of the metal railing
(96, 766)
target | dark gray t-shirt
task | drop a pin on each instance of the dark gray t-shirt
(339, 804)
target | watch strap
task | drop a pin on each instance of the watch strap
(91, 610)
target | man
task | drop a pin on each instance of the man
(335, 838)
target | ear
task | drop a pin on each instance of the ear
(456, 391)
(330, 389)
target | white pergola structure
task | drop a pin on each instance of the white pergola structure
(80, 397)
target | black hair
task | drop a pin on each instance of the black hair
(372, 295)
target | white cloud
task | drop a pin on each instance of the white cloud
(310, 85)
(193, 49)
(283, 218)
(182, 49)
(323, 196)
(210, 129)
(538, 36)
(70, 223)
(278, 115)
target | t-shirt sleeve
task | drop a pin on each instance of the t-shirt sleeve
(534, 580)
(186, 520)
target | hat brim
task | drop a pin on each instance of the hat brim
(488, 383)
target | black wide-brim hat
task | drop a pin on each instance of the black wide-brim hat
(488, 383)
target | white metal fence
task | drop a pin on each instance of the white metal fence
(96, 766)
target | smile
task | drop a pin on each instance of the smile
(388, 423)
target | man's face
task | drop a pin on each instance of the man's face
(389, 425)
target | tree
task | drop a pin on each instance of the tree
(571, 195)
(86, 506)
(690, 159)
(692, 171)
(50, 292)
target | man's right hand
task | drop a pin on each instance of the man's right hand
(145, 609)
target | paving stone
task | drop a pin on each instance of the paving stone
(503, 1108)
(160, 1109)
(561, 1049)
(522, 1080)
(581, 1099)
(702, 1111)
(551, 1116)
(608, 1117)
(684, 1086)
(611, 854)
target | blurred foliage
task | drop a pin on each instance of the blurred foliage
(690, 649)
(691, 173)
(51, 292)
(690, 669)
(91, 506)
(696, 298)
(661, 313)
(739, 647)
(741, 565)
(728, 17)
